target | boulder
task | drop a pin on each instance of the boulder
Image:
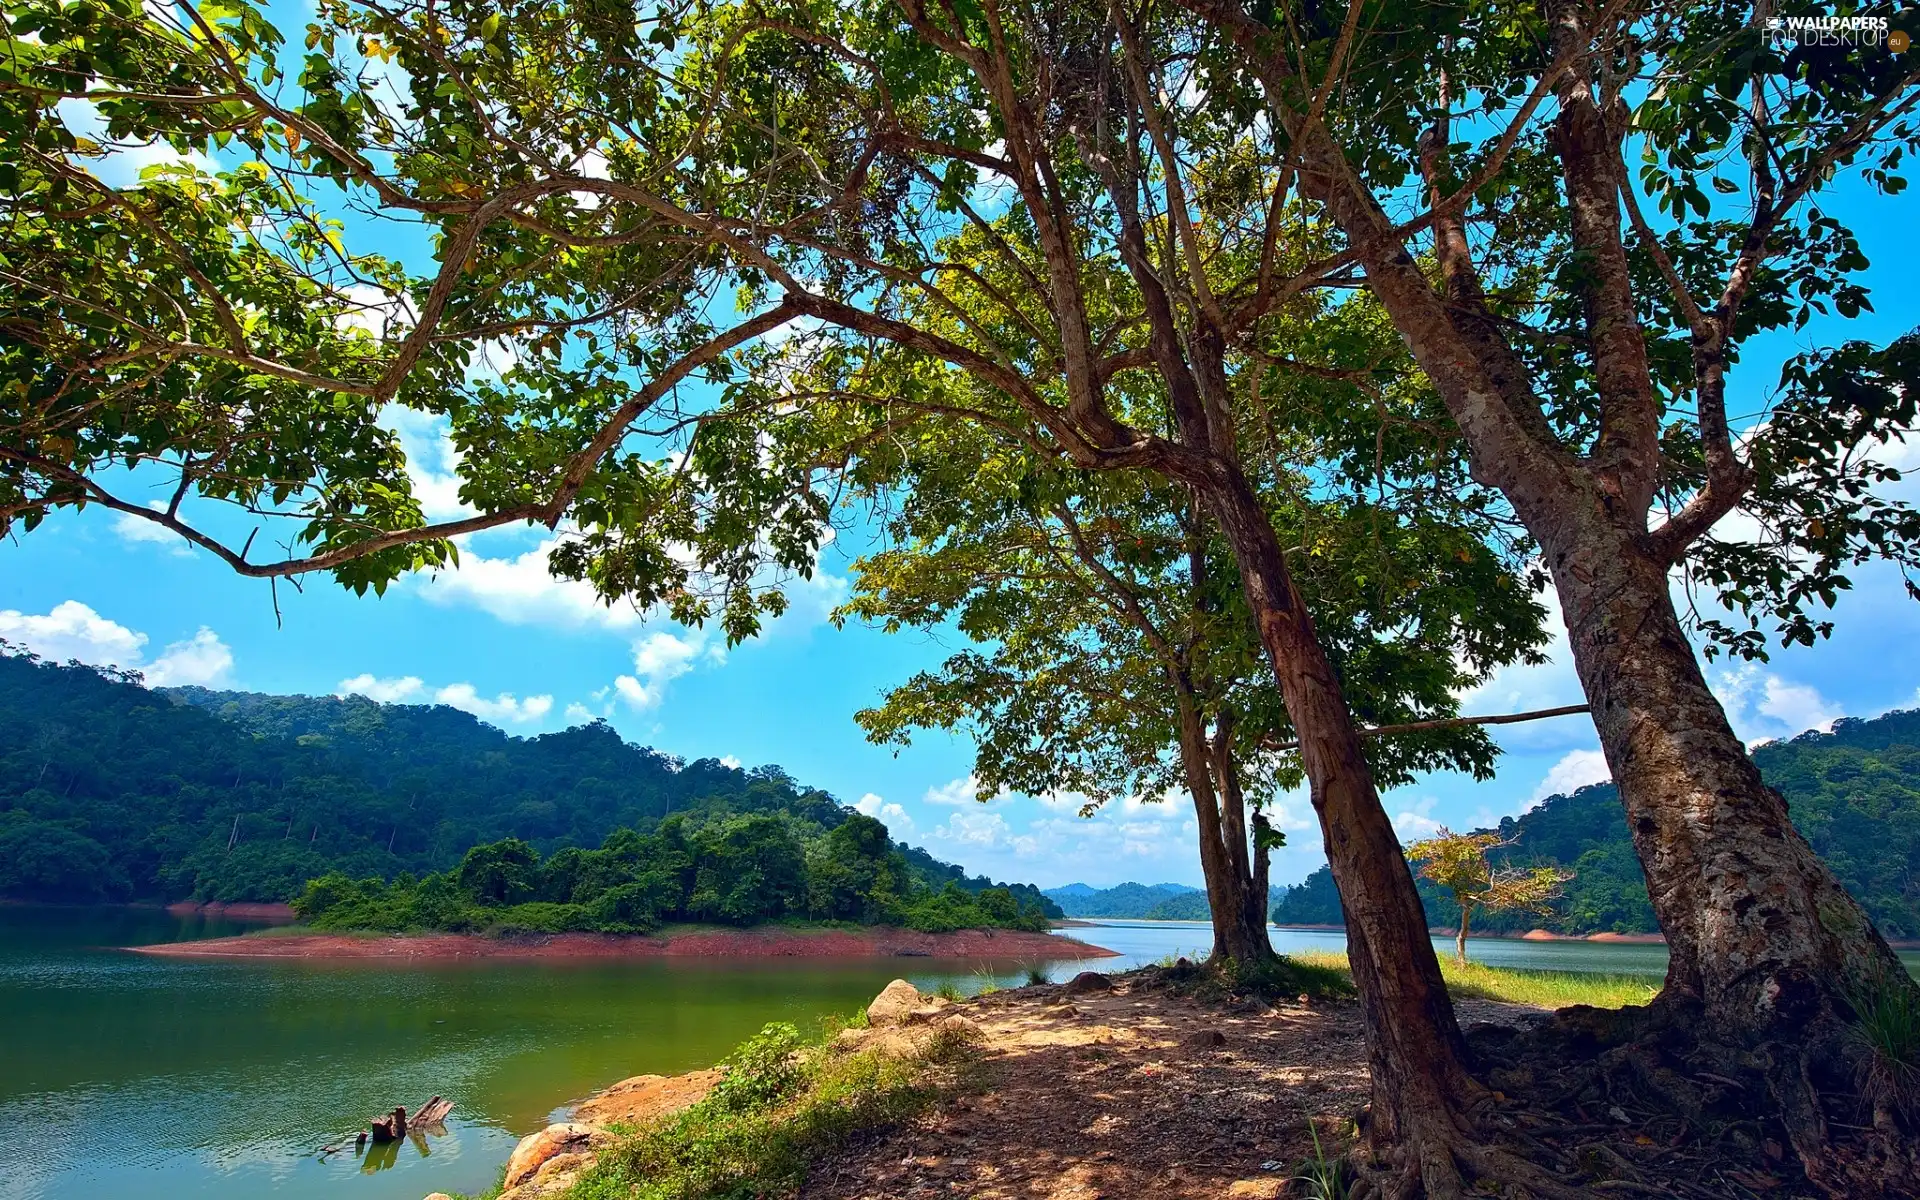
(957, 1026)
(926, 1012)
(567, 1137)
(645, 1097)
(1087, 982)
(849, 1040)
(894, 1005)
(1256, 1189)
(559, 1171)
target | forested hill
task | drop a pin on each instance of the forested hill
(1153, 902)
(1854, 793)
(112, 791)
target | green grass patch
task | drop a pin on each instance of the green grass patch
(1543, 989)
(782, 1106)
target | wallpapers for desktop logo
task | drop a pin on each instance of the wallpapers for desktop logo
(1860, 33)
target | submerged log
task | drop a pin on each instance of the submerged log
(433, 1112)
(390, 1128)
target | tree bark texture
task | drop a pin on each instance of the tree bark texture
(1418, 1059)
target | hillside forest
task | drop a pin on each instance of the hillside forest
(112, 791)
(1854, 793)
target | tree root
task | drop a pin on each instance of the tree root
(1643, 1102)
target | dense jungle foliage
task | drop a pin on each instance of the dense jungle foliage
(1854, 793)
(733, 870)
(113, 791)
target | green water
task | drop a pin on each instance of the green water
(147, 1078)
(135, 1077)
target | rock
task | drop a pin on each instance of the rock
(894, 1004)
(1204, 1039)
(568, 1137)
(568, 1165)
(439, 1196)
(1088, 981)
(957, 1026)
(645, 1097)
(928, 1011)
(849, 1040)
(1256, 1189)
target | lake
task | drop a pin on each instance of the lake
(146, 1078)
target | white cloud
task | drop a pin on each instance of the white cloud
(433, 462)
(579, 714)
(129, 528)
(1412, 824)
(1761, 706)
(379, 312)
(895, 817)
(658, 659)
(503, 707)
(121, 163)
(73, 630)
(1798, 706)
(984, 831)
(1578, 769)
(521, 591)
(953, 792)
(382, 691)
(202, 659)
(728, 760)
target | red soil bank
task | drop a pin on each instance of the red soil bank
(971, 944)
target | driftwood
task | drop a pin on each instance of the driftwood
(390, 1128)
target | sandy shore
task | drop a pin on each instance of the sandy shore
(972, 945)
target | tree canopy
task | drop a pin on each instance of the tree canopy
(110, 791)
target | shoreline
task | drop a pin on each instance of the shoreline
(972, 945)
(1531, 935)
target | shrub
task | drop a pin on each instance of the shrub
(762, 1071)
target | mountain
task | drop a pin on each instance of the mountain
(1854, 793)
(110, 790)
(1158, 902)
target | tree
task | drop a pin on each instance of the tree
(1116, 658)
(634, 198)
(1458, 863)
(503, 872)
(1580, 319)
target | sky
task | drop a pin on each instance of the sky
(501, 639)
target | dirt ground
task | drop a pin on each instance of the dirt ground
(1133, 1092)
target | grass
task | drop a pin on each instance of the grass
(1542, 989)
(781, 1107)
(1322, 1177)
(1887, 1036)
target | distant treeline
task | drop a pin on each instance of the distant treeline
(1150, 902)
(737, 870)
(1854, 793)
(114, 791)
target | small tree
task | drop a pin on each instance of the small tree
(1458, 862)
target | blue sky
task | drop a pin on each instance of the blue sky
(500, 638)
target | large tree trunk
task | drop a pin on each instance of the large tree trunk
(1420, 1080)
(1768, 951)
(1247, 917)
(1227, 885)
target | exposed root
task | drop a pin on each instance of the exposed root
(1643, 1104)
